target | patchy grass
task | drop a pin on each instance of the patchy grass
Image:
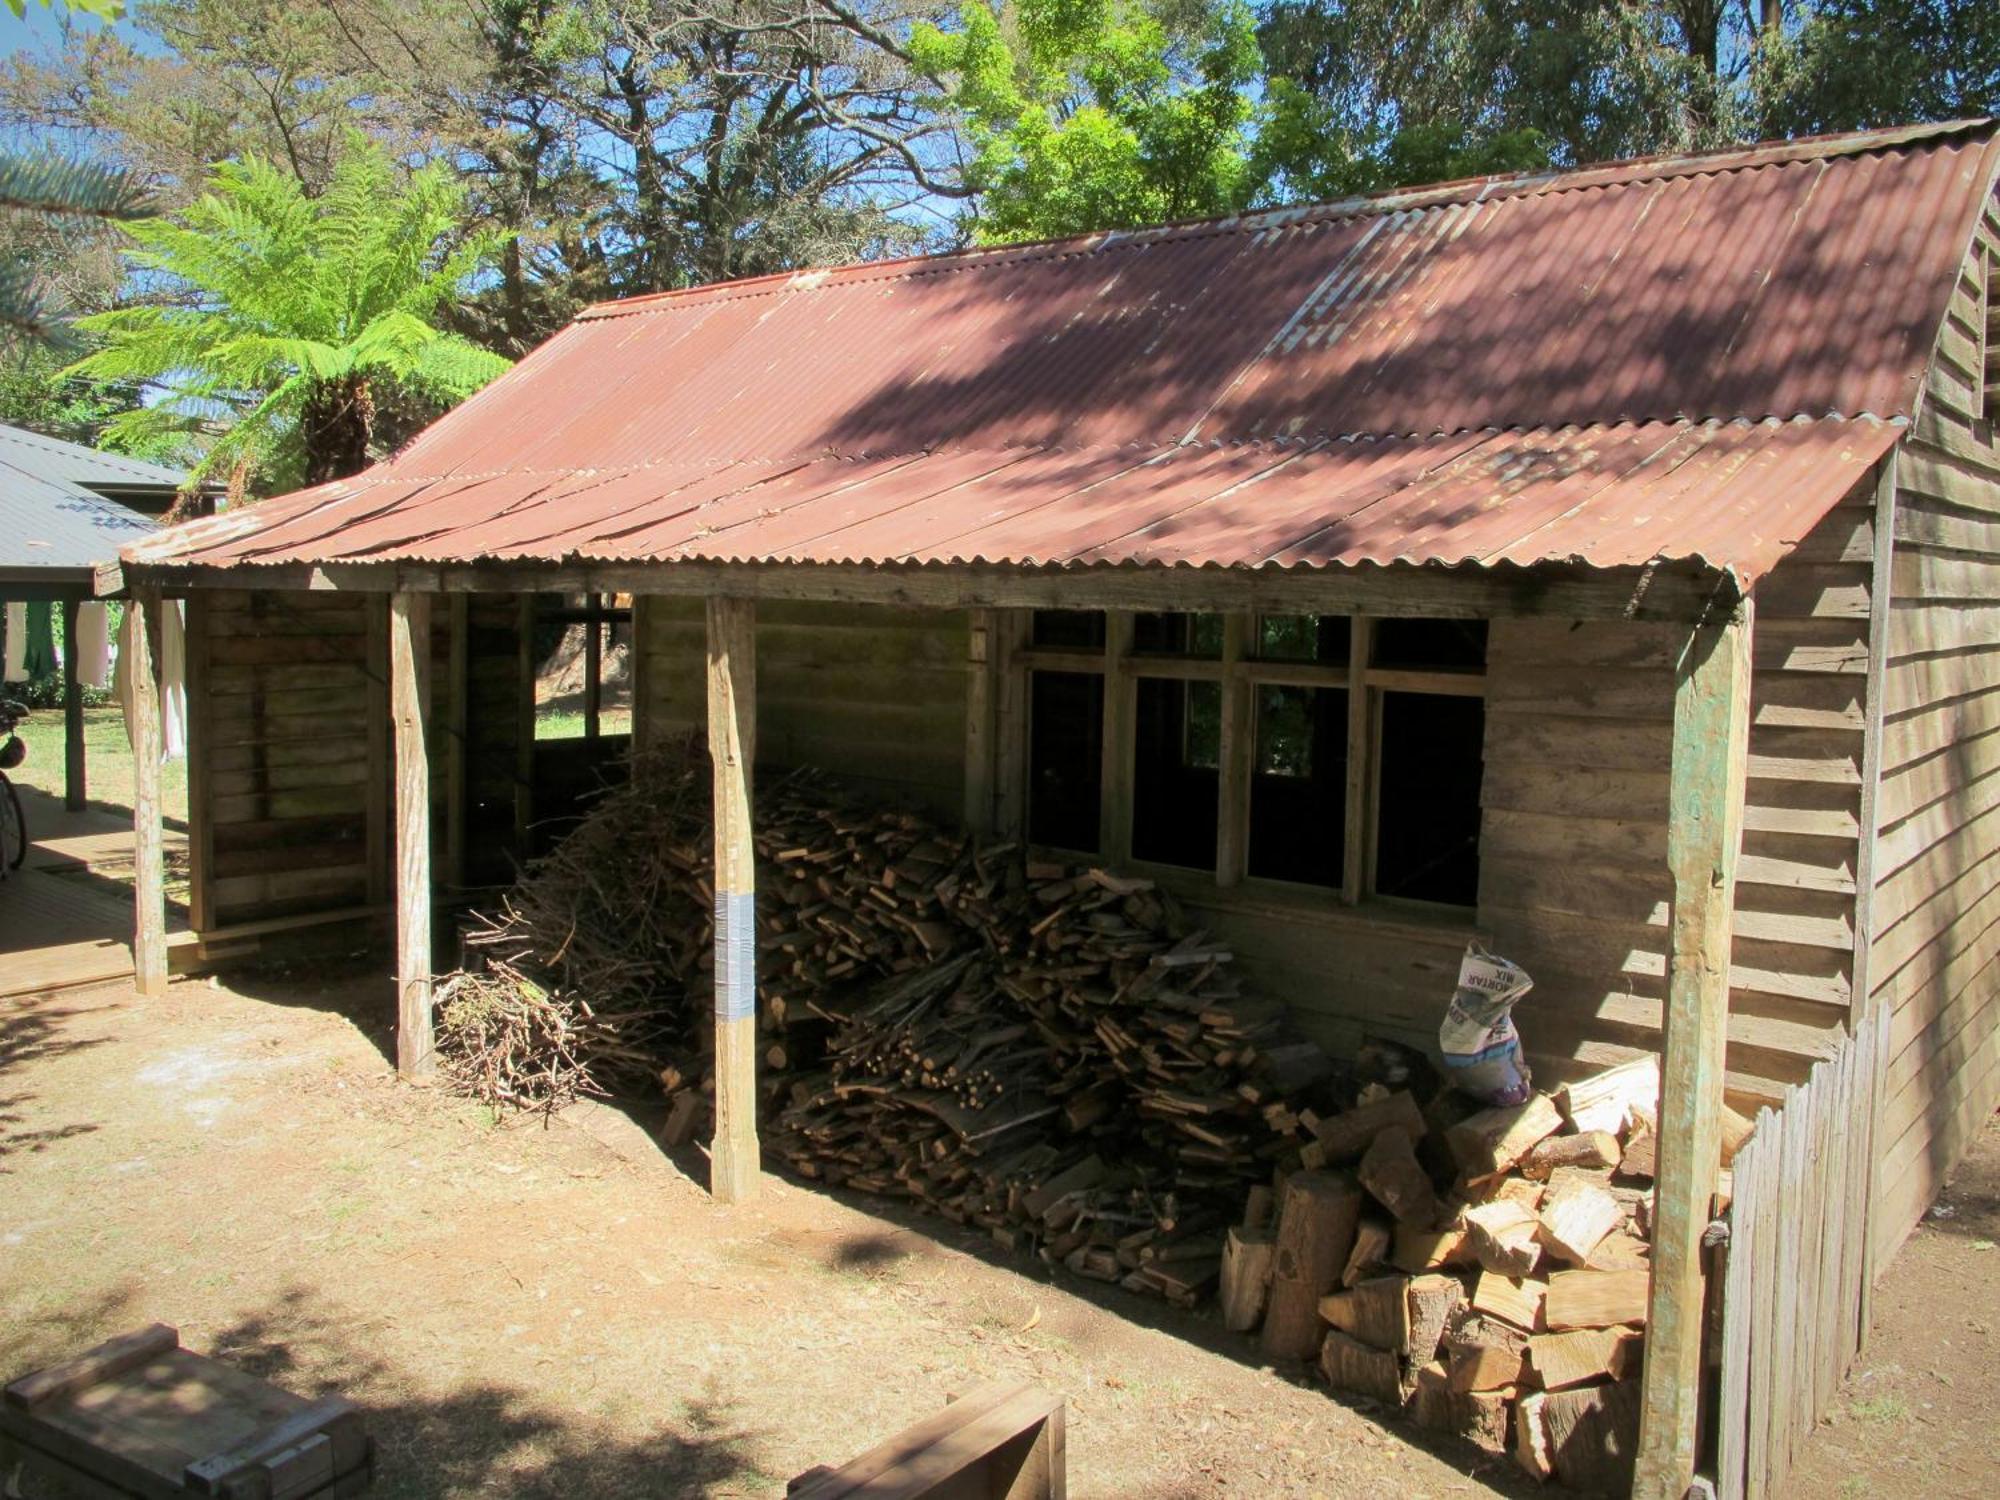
(1888, 1407)
(107, 761)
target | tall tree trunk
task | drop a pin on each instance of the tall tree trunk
(337, 424)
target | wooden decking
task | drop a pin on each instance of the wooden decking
(66, 914)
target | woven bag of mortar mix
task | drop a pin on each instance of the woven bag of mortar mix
(1482, 1050)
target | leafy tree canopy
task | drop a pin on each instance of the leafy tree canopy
(278, 325)
(1095, 114)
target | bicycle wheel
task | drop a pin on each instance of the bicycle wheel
(13, 827)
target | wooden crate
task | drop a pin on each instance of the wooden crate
(1001, 1441)
(141, 1416)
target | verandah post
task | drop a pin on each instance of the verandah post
(732, 746)
(149, 881)
(1710, 743)
(410, 710)
(75, 796)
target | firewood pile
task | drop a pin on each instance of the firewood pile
(1486, 1270)
(1045, 1052)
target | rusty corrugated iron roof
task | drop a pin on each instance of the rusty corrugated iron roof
(1734, 494)
(1601, 365)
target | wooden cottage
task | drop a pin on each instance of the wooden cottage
(1602, 564)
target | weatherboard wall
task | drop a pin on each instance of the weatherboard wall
(1936, 954)
(1574, 879)
(874, 695)
(287, 723)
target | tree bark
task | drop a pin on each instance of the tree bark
(338, 424)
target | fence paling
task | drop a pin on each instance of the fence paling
(1797, 1267)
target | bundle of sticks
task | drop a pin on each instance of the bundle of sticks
(939, 1019)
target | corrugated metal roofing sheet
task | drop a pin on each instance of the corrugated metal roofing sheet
(1736, 494)
(1574, 366)
(48, 525)
(72, 463)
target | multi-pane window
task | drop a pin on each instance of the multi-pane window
(1316, 750)
(580, 655)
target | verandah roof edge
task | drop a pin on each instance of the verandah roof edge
(1676, 590)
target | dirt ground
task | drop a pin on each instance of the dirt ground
(531, 1311)
(1915, 1414)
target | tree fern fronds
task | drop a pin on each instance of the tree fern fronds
(283, 304)
(454, 367)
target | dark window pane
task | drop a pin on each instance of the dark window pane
(1428, 829)
(1070, 629)
(1298, 785)
(1431, 645)
(1316, 638)
(1177, 635)
(1178, 745)
(1065, 749)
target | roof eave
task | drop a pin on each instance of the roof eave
(1688, 589)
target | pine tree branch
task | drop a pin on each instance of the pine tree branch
(69, 189)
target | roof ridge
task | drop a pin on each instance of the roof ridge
(379, 474)
(1625, 172)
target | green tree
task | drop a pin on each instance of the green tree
(104, 10)
(1099, 114)
(1849, 64)
(37, 395)
(282, 323)
(62, 195)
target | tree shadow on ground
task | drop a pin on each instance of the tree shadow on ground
(478, 1437)
(32, 1033)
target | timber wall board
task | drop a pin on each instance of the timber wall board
(1937, 866)
(287, 731)
(876, 696)
(1573, 859)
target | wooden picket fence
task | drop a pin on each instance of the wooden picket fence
(1795, 1288)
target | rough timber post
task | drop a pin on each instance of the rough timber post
(732, 746)
(1710, 741)
(74, 793)
(410, 709)
(149, 880)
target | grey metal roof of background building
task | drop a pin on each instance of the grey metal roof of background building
(53, 512)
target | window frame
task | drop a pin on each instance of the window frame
(1240, 672)
(601, 615)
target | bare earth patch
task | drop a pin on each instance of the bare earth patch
(1915, 1414)
(564, 1311)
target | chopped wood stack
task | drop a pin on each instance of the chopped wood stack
(1045, 1052)
(1485, 1269)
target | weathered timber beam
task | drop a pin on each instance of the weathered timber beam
(1862, 1008)
(410, 710)
(982, 706)
(75, 792)
(1710, 740)
(732, 745)
(1676, 591)
(149, 879)
(457, 722)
